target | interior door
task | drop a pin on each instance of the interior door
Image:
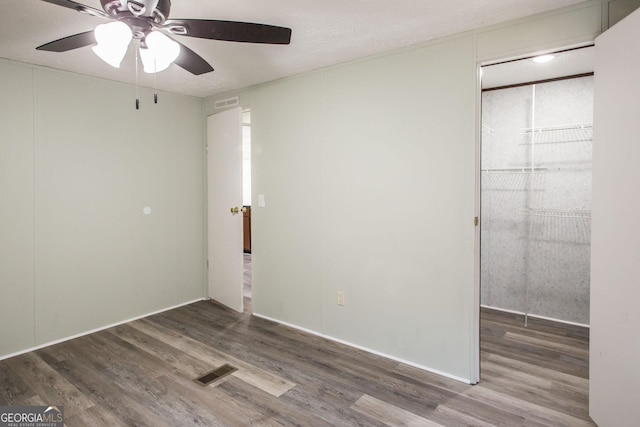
(225, 219)
(614, 383)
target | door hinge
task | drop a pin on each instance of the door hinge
(476, 221)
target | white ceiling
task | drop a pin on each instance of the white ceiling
(325, 32)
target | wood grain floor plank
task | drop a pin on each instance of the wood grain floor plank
(253, 375)
(420, 377)
(96, 416)
(538, 391)
(141, 374)
(481, 411)
(47, 383)
(13, 389)
(92, 378)
(419, 399)
(320, 360)
(516, 321)
(184, 402)
(547, 335)
(530, 411)
(563, 348)
(183, 363)
(448, 416)
(35, 401)
(553, 376)
(389, 414)
(278, 341)
(285, 410)
(536, 356)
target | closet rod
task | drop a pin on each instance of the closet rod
(557, 213)
(576, 126)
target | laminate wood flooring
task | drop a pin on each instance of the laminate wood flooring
(141, 374)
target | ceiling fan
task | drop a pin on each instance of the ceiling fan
(148, 21)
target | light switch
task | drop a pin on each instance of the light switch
(261, 203)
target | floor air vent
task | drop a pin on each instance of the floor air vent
(215, 375)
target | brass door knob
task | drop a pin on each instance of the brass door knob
(237, 210)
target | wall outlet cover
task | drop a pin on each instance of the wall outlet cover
(340, 297)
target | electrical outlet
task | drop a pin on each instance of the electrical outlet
(340, 298)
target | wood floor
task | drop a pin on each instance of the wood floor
(141, 374)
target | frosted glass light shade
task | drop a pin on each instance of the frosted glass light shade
(113, 40)
(112, 55)
(150, 63)
(161, 51)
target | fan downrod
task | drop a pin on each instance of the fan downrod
(157, 10)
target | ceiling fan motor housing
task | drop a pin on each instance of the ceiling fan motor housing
(157, 10)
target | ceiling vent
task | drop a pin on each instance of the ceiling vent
(229, 102)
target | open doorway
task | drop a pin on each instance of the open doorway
(246, 201)
(537, 121)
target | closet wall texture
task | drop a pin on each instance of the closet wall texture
(536, 198)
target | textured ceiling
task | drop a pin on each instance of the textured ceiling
(325, 33)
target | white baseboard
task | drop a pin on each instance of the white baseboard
(535, 316)
(102, 328)
(368, 350)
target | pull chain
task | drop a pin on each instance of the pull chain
(155, 83)
(137, 89)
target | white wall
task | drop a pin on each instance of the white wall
(615, 252)
(340, 154)
(79, 164)
(403, 262)
(287, 170)
(17, 320)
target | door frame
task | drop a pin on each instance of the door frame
(475, 362)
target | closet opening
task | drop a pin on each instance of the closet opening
(246, 202)
(535, 211)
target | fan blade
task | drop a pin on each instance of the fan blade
(78, 7)
(229, 31)
(191, 61)
(70, 42)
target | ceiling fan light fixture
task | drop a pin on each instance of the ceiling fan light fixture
(113, 40)
(161, 51)
(142, 17)
(112, 55)
(151, 63)
(113, 33)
